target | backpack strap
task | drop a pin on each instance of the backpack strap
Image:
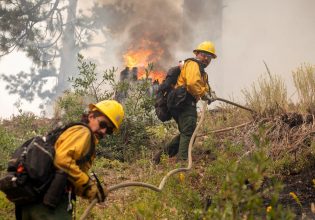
(201, 68)
(54, 135)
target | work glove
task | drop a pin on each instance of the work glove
(207, 98)
(94, 192)
(213, 95)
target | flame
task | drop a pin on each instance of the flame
(153, 75)
(146, 52)
(137, 58)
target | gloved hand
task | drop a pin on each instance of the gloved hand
(207, 98)
(93, 192)
(213, 95)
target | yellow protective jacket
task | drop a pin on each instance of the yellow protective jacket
(191, 78)
(71, 146)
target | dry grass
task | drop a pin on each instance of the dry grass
(268, 97)
(304, 81)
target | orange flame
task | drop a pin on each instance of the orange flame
(146, 52)
(137, 58)
(153, 75)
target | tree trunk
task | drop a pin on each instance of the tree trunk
(69, 50)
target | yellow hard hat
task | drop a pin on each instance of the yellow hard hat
(207, 47)
(111, 109)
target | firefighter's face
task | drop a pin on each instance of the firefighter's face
(204, 58)
(100, 125)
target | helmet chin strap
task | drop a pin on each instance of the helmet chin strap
(202, 63)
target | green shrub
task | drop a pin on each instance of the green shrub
(69, 107)
(8, 144)
(240, 182)
(91, 86)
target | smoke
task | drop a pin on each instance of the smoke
(174, 26)
(245, 33)
(280, 33)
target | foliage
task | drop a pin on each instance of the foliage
(91, 86)
(88, 84)
(139, 114)
(6, 208)
(229, 183)
(26, 124)
(87, 88)
(297, 162)
(240, 185)
(47, 31)
(28, 85)
(268, 97)
(244, 193)
(226, 188)
(304, 81)
(20, 128)
(22, 24)
(8, 143)
(69, 107)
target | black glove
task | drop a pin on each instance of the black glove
(207, 98)
(95, 192)
(213, 95)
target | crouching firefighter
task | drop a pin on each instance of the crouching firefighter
(191, 86)
(72, 157)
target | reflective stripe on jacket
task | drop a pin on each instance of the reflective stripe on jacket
(71, 146)
(191, 78)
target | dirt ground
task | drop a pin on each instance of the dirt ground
(302, 185)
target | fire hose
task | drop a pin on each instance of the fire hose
(170, 173)
(233, 103)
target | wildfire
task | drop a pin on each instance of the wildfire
(142, 56)
(153, 75)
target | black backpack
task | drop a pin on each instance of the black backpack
(162, 108)
(31, 168)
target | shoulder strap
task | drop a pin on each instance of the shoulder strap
(54, 135)
(87, 157)
(201, 68)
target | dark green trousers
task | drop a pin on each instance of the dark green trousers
(39, 211)
(186, 120)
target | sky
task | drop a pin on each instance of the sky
(281, 33)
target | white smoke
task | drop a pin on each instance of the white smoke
(281, 33)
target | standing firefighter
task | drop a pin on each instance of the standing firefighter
(191, 86)
(74, 155)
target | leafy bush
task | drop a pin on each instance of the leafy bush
(91, 87)
(8, 144)
(304, 81)
(133, 136)
(240, 182)
(69, 107)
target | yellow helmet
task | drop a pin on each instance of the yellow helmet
(111, 109)
(206, 46)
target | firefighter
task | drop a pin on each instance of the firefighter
(75, 143)
(193, 80)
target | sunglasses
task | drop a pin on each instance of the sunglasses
(209, 56)
(109, 129)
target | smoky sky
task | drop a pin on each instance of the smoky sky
(171, 25)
